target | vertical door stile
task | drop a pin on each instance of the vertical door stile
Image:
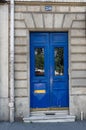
(50, 70)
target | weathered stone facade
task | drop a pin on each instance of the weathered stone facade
(32, 16)
(61, 18)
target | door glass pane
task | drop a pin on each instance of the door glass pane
(59, 61)
(39, 62)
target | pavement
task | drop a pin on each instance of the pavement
(78, 125)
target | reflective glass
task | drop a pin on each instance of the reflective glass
(39, 62)
(59, 61)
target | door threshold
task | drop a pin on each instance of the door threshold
(49, 109)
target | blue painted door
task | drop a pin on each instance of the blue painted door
(49, 70)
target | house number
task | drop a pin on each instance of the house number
(48, 8)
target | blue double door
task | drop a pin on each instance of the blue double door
(49, 70)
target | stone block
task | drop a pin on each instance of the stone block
(78, 33)
(58, 20)
(18, 16)
(20, 83)
(20, 75)
(48, 20)
(20, 32)
(38, 20)
(20, 66)
(20, 58)
(78, 105)
(78, 57)
(4, 109)
(77, 9)
(68, 20)
(78, 41)
(29, 20)
(78, 82)
(21, 107)
(78, 74)
(21, 49)
(78, 49)
(33, 8)
(78, 66)
(80, 16)
(21, 41)
(21, 8)
(78, 24)
(21, 92)
(62, 9)
(20, 24)
(80, 91)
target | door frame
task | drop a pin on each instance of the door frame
(69, 62)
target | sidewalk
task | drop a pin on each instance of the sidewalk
(79, 125)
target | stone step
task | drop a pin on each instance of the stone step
(49, 118)
(38, 113)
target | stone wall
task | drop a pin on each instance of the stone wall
(4, 79)
(61, 18)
